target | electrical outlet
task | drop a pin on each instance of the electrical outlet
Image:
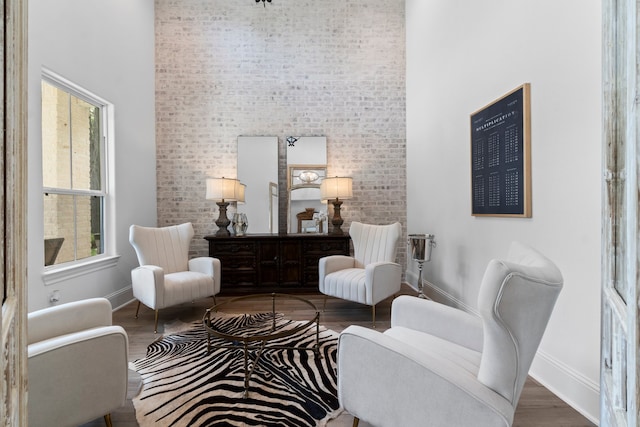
(54, 297)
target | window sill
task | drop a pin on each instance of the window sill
(57, 274)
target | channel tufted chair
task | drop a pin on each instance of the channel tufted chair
(166, 276)
(77, 364)
(372, 274)
(439, 366)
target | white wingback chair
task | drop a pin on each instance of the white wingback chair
(439, 366)
(166, 276)
(77, 364)
(372, 274)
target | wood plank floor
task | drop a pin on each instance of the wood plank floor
(537, 407)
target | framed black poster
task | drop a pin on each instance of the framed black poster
(501, 156)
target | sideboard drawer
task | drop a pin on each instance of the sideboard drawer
(325, 247)
(238, 262)
(237, 248)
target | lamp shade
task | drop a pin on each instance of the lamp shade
(222, 189)
(240, 191)
(336, 188)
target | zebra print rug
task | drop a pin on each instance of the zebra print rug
(185, 386)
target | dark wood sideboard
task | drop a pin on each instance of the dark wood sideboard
(259, 263)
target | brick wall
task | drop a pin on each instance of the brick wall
(297, 67)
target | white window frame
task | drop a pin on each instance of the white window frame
(60, 272)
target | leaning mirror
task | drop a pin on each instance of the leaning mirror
(304, 198)
(306, 168)
(258, 170)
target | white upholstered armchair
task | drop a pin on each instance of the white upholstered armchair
(77, 364)
(438, 366)
(166, 276)
(372, 274)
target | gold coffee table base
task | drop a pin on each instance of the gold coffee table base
(259, 341)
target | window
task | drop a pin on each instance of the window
(73, 172)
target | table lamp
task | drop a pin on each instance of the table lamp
(336, 190)
(222, 191)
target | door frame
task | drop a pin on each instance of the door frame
(619, 381)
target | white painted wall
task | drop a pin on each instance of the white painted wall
(461, 56)
(107, 48)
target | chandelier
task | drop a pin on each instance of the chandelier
(264, 2)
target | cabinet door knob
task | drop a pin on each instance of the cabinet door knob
(275, 258)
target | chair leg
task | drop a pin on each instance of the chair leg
(138, 309)
(107, 420)
(155, 327)
(214, 300)
(356, 421)
(324, 305)
(373, 315)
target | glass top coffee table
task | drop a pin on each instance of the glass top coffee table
(222, 321)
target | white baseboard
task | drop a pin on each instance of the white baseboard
(120, 298)
(438, 295)
(578, 391)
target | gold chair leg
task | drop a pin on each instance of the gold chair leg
(355, 421)
(373, 315)
(155, 327)
(107, 420)
(138, 309)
